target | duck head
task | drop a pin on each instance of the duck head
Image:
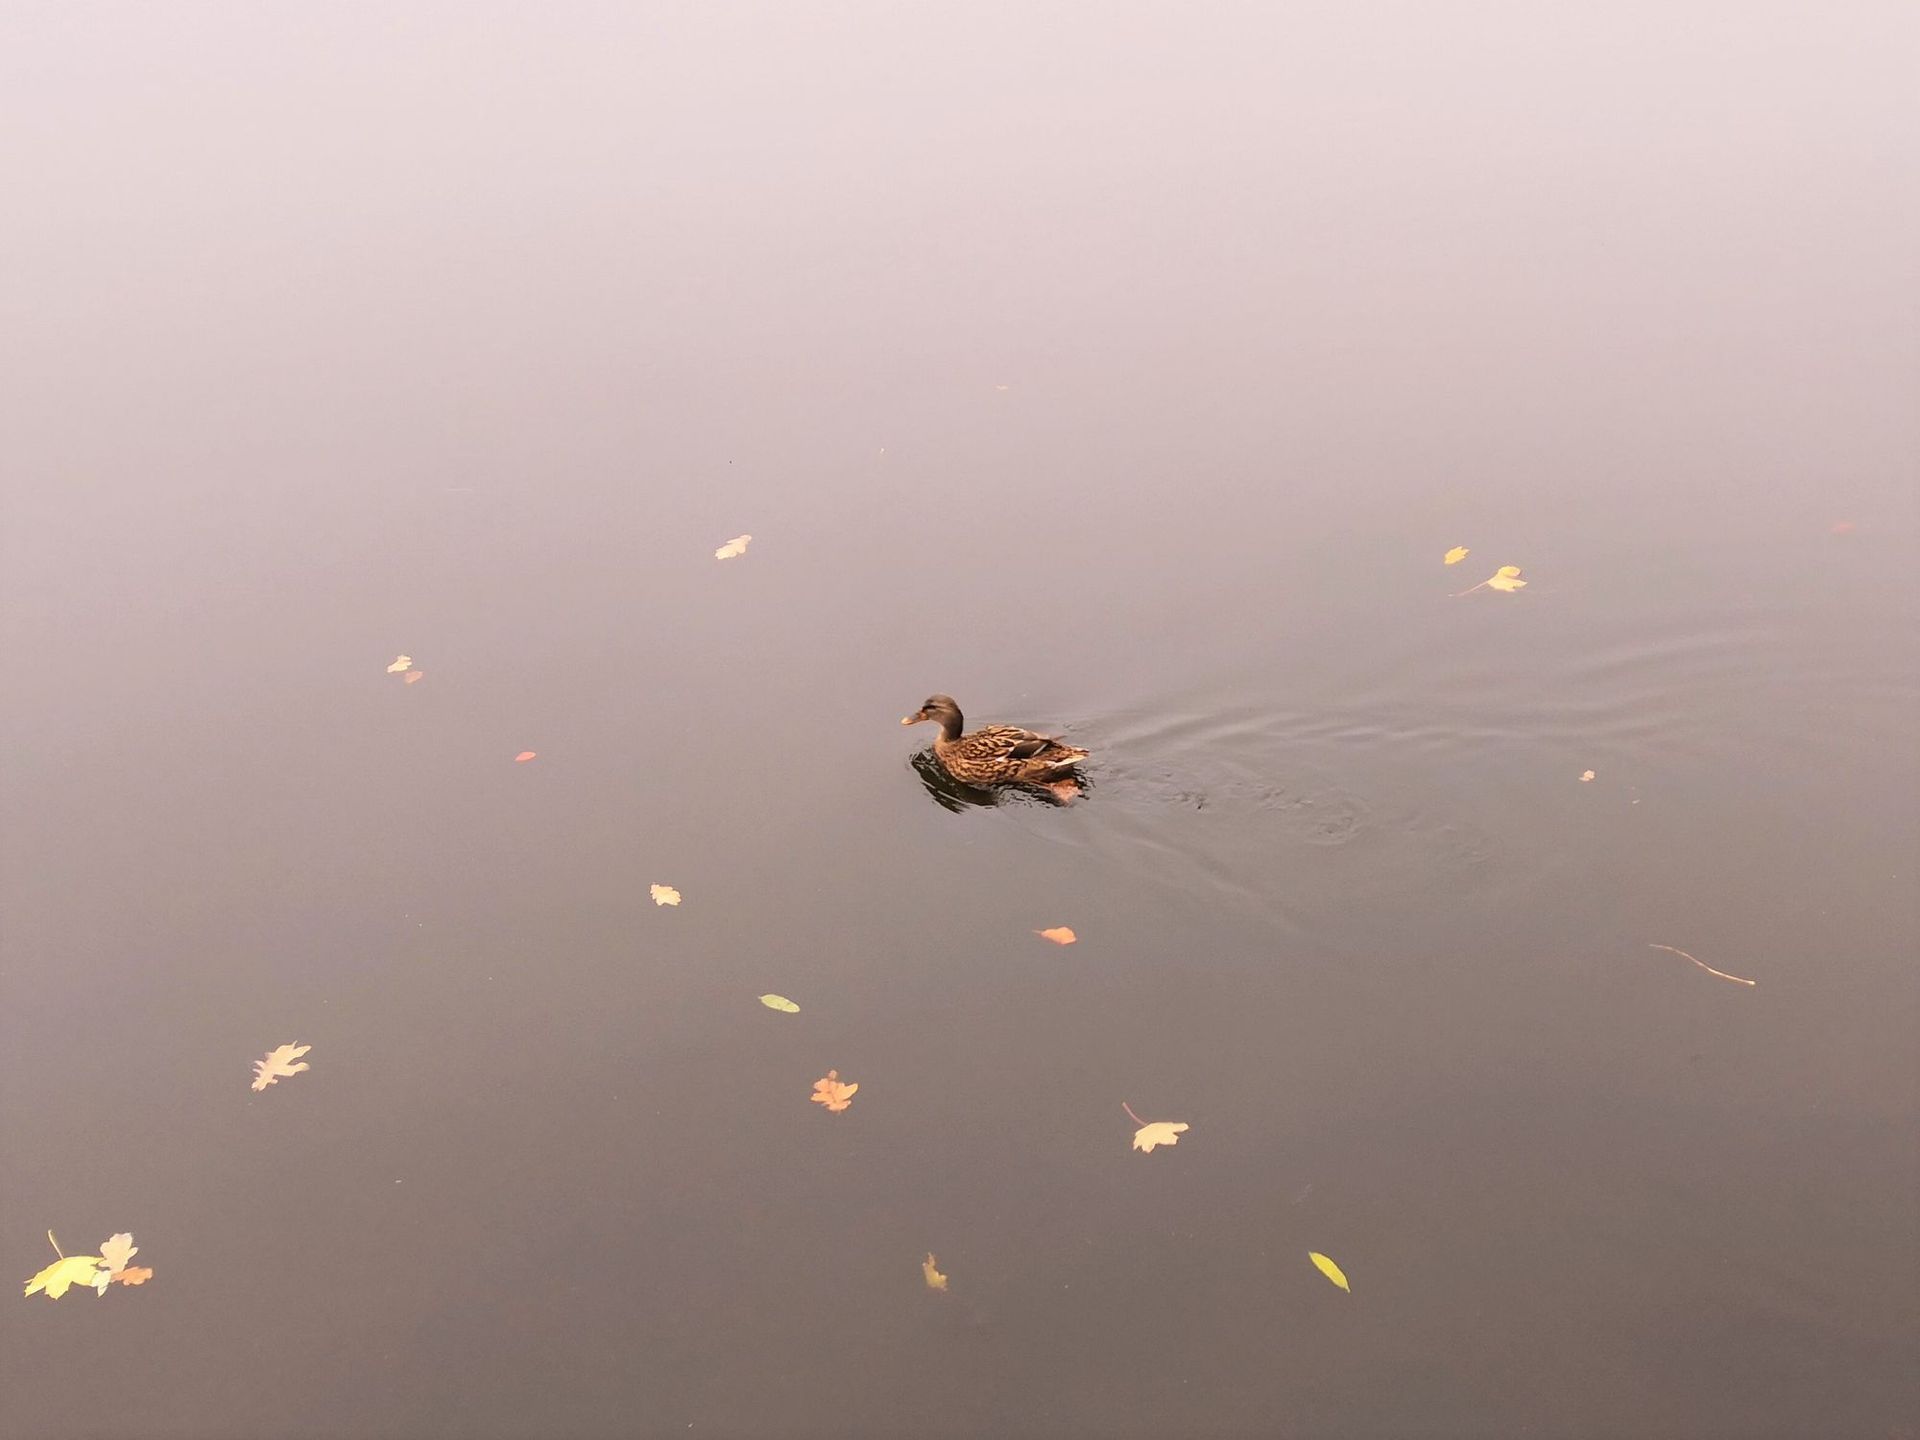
(941, 709)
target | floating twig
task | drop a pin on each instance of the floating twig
(1737, 979)
(1130, 1115)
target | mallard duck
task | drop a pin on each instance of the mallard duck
(994, 754)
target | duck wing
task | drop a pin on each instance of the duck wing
(1031, 752)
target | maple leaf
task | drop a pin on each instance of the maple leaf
(1157, 1132)
(1160, 1132)
(66, 1272)
(133, 1275)
(116, 1251)
(1455, 555)
(403, 662)
(935, 1280)
(279, 1065)
(736, 546)
(833, 1094)
(1059, 934)
(664, 894)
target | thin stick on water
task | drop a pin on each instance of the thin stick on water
(1129, 1109)
(1737, 979)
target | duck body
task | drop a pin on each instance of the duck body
(994, 754)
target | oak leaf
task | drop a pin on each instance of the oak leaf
(116, 1251)
(736, 546)
(1059, 934)
(664, 894)
(935, 1280)
(831, 1092)
(279, 1065)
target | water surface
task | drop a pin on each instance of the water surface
(1124, 371)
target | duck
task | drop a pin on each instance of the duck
(995, 754)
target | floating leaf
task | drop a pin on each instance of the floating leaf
(1585, 775)
(935, 1280)
(1507, 578)
(279, 1065)
(1456, 555)
(524, 756)
(1332, 1271)
(1059, 934)
(115, 1254)
(66, 1272)
(830, 1092)
(1160, 1132)
(736, 546)
(116, 1251)
(412, 675)
(779, 1002)
(403, 662)
(664, 894)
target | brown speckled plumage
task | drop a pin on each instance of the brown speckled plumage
(994, 754)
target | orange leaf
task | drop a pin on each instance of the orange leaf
(133, 1275)
(1059, 934)
(412, 675)
(830, 1092)
(524, 756)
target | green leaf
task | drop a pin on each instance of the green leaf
(779, 1002)
(1332, 1271)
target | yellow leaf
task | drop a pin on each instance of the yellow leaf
(1160, 1132)
(1586, 775)
(117, 1251)
(664, 895)
(1456, 555)
(935, 1280)
(1059, 934)
(779, 1002)
(404, 662)
(1507, 577)
(279, 1065)
(67, 1271)
(1332, 1271)
(832, 1093)
(736, 546)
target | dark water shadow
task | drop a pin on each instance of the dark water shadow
(951, 795)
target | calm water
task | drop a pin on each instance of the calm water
(1120, 370)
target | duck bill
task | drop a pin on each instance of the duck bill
(912, 719)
